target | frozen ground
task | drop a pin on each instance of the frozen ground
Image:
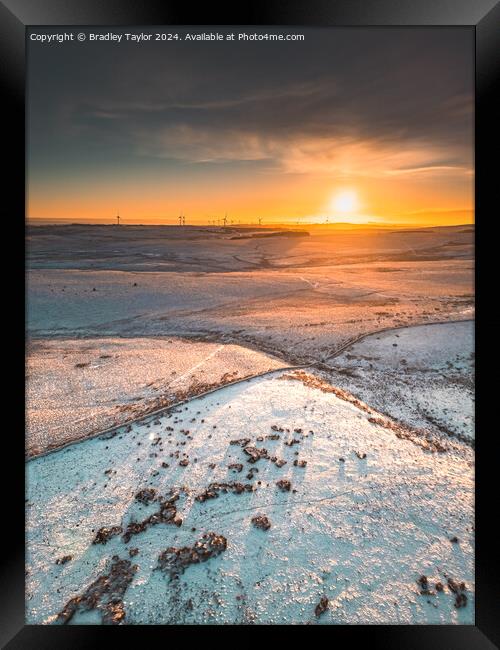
(77, 387)
(385, 497)
(299, 297)
(370, 513)
(202, 249)
(423, 376)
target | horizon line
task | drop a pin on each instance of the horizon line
(375, 224)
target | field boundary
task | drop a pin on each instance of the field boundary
(319, 365)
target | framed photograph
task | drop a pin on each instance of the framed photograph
(250, 272)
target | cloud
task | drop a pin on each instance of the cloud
(345, 102)
(301, 153)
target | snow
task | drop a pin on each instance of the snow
(360, 532)
(76, 387)
(421, 375)
(300, 297)
(114, 312)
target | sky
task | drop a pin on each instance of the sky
(349, 125)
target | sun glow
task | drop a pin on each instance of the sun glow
(345, 202)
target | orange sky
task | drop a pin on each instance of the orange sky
(422, 198)
(360, 126)
(306, 185)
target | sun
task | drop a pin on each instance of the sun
(345, 202)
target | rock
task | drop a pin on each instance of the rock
(255, 453)
(174, 561)
(284, 485)
(243, 442)
(64, 559)
(213, 490)
(458, 588)
(146, 496)
(455, 586)
(167, 514)
(321, 607)
(104, 595)
(425, 589)
(104, 534)
(262, 522)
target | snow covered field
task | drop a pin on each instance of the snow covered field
(368, 515)
(341, 492)
(210, 249)
(296, 297)
(423, 376)
(76, 387)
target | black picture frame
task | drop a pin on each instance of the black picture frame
(483, 16)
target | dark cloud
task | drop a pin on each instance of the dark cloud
(107, 104)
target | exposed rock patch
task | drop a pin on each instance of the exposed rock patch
(242, 442)
(167, 514)
(284, 485)
(255, 453)
(174, 561)
(458, 588)
(104, 534)
(321, 607)
(213, 490)
(262, 522)
(104, 595)
(146, 496)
